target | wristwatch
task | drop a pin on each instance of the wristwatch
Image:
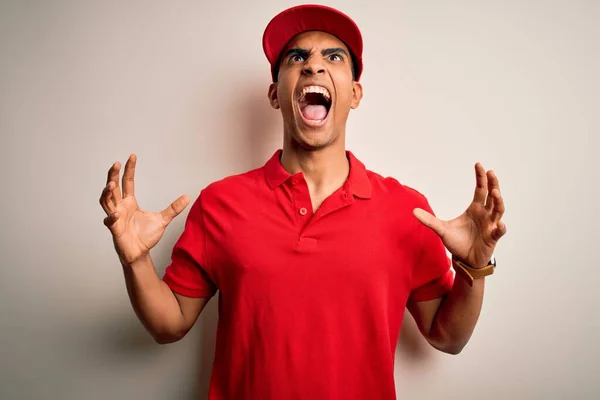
(470, 273)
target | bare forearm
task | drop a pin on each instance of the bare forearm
(153, 301)
(457, 316)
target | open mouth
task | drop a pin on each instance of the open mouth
(314, 103)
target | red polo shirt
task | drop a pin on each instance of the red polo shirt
(310, 304)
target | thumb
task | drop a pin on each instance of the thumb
(430, 221)
(175, 208)
(111, 222)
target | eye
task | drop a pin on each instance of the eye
(335, 57)
(296, 58)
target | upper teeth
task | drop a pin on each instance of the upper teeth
(316, 89)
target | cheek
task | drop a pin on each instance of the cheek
(284, 95)
(344, 97)
(344, 88)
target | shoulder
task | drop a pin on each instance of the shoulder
(391, 189)
(238, 186)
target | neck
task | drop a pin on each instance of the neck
(325, 170)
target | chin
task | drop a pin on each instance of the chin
(312, 145)
(312, 135)
(314, 139)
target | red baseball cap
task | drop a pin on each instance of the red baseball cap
(311, 17)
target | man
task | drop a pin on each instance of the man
(315, 258)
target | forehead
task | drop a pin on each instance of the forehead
(315, 39)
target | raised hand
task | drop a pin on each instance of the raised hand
(134, 231)
(472, 237)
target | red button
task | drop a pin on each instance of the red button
(302, 211)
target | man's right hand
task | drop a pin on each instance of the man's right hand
(134, 230)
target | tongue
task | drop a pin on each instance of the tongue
(314, 112)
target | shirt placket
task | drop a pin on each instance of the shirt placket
(301, 201)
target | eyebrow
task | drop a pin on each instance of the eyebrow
(305, 53)
(334, 50)
(296, 50)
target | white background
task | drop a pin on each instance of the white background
(513, 84)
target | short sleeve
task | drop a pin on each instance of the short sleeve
(186, 275)
(432, 274)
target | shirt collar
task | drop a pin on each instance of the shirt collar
(358, 180)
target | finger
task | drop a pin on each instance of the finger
(175, 208)
(480, 184)
(430, 221)
(106, 198)
(111, 221)
(499, 231)
(493, 183)
(113, 176)
(498, 208)
(128, 176)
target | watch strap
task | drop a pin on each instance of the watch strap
(470, 273)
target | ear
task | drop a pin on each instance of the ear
(357, 94)
(273, 96)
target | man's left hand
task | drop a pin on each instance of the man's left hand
(472, 237)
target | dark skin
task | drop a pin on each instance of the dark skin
(312, 58)
(315, 58)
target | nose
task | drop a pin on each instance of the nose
(313, 66)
